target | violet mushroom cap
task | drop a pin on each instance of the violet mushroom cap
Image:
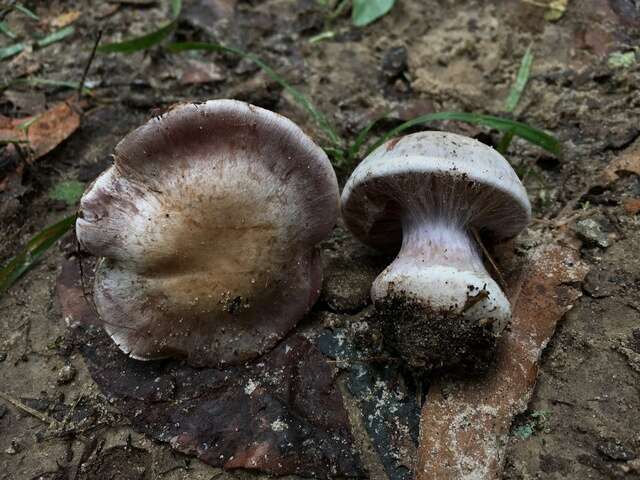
(424, 194)
(207, 226)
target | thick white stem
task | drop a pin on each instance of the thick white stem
(439, 264)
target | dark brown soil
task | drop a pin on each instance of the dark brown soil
(428, 340)
(425, 56)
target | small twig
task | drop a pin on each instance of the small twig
(43, 417)
(503, 284)
(89, 62)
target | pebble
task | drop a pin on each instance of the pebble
(66, 374)
(592, 232)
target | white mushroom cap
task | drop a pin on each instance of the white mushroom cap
(207, 224)
(417, 170)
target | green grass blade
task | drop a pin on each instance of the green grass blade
(145, 41)
(522, 130)
(505, 141)
(11, 50)
(24, 10)
(33, 252)
(521, 82)
(302, 99)
(139, 43)
(4, 29)
(363, 135)
(56, 36)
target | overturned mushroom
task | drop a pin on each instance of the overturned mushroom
(207, 225)
(427, 194)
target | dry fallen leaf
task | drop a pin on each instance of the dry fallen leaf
(632, 206)
(465, 423)
(627, 161)
(197, 72)
(44, 131)
(65, 19)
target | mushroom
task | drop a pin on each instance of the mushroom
(207, 226)
(430, 195)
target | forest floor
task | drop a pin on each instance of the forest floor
(424, 56)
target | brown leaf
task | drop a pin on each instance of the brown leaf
(65, 19)
(44, 131)
(282, 414)
(197, 72)
(465, 423)
(632, 206)
(627, 161)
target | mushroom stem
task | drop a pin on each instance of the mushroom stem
(440, 273)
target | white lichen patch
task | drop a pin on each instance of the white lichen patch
(250, 387)
(279, 425)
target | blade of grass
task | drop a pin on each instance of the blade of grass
(33, 252)
(522, 130)
(302, 100)
(514, 96)
(24, 10)
(56, 36)
(521, 82)
(145, 41)
(139, 43)
(4, 29)
(505, 141)
(11, 50)
(362, 137)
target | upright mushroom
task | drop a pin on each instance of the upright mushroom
(207, 225)
(426, 194)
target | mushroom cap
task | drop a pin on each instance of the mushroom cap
(207, 225)
(437, 174)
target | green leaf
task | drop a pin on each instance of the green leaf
(11, 50)
(4, 28)
(522, 130)
(299, 97)
(363, 12)
(56, 36)
(521, 82)
(68, 191)
(33, 252)
(24, 10)
(145, 41)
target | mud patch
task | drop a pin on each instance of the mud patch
(427, 340)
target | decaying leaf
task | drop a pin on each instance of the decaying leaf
(65, 19)
(196, 72)
(283, 414)
(632, 206)
(465, 423)
(42, 132)
(627, 161)
(556, 10)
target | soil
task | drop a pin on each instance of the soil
(425, 56)
(427, 340)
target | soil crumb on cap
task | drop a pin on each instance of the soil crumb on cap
(427, 339)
